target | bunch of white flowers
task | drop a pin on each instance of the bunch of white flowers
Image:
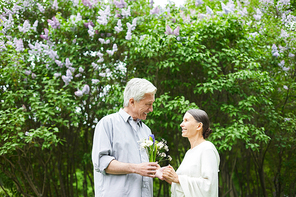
(155, 149)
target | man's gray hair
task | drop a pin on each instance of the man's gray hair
(137, 88)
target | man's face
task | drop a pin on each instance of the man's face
(143, 107)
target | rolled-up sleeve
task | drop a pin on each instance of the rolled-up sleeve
(102, 146)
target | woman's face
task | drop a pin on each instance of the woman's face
(190, 127)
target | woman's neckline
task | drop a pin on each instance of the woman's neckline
(198, 144)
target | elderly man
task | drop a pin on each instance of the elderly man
(121, 167)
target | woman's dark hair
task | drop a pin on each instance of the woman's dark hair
(201, 116)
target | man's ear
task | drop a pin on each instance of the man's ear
(131, 101)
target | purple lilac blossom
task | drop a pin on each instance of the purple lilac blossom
(28, 72)
(110, 52)
(41, 8)
(52, 54)
(120, 4)
(33, 75)
(2, 46)
(118, 28)
(69, 73)
(54, 23)
(253, 35)
(128, 35)
(7, 11)
(95, 66)
(68, 63)
(91, 31)
(267, 2)
(246, 2)
(285, 87)
(243, 12)
(185, 18)
(230, 4)
(85, 89)
(130, 27)
(134, 23)
(282, 63)
(114, 47)
(100, 60)
(59, 63)
(7, 23)
(126, 13)
(169, 31)
(78, 75)
(274, 51)
(89, 23)
(26, 27)
(258, 14)
(78, 93)
(284, 34)
(209, 10)
(100, 54)
(282, 49)
(290, 19)
(75, 2)
(103, 18)
(282, 4)
(286, 68)
(201, 16)
(276, 54)
(95, 81)
(57, 75)
(16, 8)
(71, 69)
(77, 18)
(66, 80)
(35, 25)
(287, 119)
(151, 3)
(55, 5)
(81, 70)
(198, 2)
(45, 36)
(155, 10)
(87, 3)
(102, 41)
(290, 54)
(19, 45)
(225, 8)
(102, 74)
(117, 15)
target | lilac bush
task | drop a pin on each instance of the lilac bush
(64, 65)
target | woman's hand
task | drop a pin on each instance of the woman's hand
(170, 175)
(159, 172)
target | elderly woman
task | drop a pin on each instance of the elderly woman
(198, 172)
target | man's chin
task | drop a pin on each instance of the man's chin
(144, 116)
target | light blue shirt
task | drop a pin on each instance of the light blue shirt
(117, 137)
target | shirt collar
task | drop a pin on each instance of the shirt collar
(126, 117)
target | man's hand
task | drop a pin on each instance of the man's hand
(146, 169)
